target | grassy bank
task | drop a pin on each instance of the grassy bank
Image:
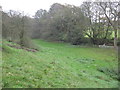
(59, 65)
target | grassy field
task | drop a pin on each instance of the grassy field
(59, 65)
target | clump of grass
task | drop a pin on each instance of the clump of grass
(112, 72)
(85, 60)
(6, 49)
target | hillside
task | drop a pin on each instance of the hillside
(59, 65)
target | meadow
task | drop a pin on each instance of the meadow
(59, 65)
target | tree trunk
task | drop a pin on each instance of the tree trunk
(115, 39)
(21, 38)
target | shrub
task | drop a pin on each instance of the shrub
(118, 43)
(81, 41)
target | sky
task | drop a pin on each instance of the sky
(31, 6)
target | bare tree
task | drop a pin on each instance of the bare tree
(111, 12)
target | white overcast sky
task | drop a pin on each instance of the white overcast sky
(31, 6)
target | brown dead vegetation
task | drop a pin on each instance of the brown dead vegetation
(24, 48)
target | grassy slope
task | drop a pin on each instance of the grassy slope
(57, 65)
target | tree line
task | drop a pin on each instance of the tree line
(91, 23)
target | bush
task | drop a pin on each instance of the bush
(81, 41)
(26, 42)
(118, 43)
(101, 41)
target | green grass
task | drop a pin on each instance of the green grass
(58, 65)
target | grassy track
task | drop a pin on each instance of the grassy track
(58, 65)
